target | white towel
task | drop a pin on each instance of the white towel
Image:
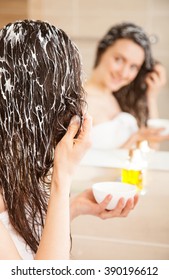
(113, 134)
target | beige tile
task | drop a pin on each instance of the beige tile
(160, 6)
(87, 47)
(114, 250)
(86, 176)
(35, 9)
(60, 7)
(160, 24)
(163, 102)
(12, 7)
(68, 23)
(103, 8)
(144, 224)
(164, 146)
(100, 24)
(139, 236)
(12, 10)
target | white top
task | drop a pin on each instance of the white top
(23, 249)
(113, 134)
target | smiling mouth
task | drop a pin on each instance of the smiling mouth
(116, 80)
(118, 83)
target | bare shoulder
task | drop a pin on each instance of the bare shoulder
(8, 250)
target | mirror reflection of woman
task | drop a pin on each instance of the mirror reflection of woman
(123, 88)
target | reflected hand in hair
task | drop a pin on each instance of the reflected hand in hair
(85, 204)
(155, 80)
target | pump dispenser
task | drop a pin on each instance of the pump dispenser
(133, 171)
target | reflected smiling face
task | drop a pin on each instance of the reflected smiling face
(120, 64)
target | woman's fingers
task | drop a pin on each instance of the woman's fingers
(86, 127)
(121, 210)
(156, 79)
(105, 202)
(158, 72)
(73, 127)
(152, 134)
(136, 198)
(161, 72)
(84, 135)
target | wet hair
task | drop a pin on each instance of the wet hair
(40, 90)
(131, 98)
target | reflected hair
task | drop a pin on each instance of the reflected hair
(40, 90)
(131, 98)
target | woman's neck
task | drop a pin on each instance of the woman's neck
(2, 205)
(96, 85)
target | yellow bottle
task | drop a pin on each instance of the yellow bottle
(132, 173)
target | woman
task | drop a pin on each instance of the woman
(43, 136)
(123, 88)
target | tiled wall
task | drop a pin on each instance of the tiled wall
(87, 20)
(11, 10)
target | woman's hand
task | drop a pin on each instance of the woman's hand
(85, 204)
(55, 240)
(152, 135)
(69, 151)
(155, 80)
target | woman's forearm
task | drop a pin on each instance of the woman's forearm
(131, 141)
(152, 107)
(55, 241)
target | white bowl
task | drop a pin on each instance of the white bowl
(116, 189)
(159, 123)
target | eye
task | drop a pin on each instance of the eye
(118, 59)
(134, 68)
